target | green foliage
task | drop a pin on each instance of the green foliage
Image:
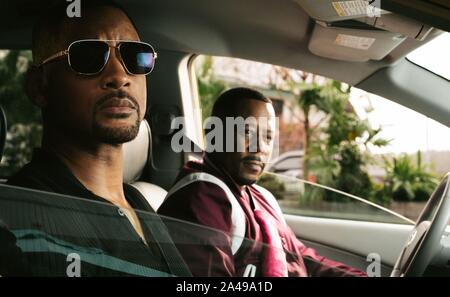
(378, 195)
(338, 150)
(406, 181)
(338, 153)
(311, 96)
(209, 87)
(271, 183)
(352, 178)
(12, 96)
(22, 138)
(24, 129)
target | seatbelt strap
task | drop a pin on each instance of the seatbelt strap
(237, 213)
(272, 201)
(160, 233)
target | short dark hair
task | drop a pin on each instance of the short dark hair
(48, 30)
(226, 103)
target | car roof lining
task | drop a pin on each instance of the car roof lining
(414, 87)
(197, 27)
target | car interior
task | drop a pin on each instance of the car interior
(368, 52)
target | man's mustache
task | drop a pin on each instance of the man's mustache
(117, 95)
(252, 158)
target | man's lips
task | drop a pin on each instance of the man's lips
(119, 105)
(255, 165)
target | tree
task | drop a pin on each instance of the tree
(311, 98)
(12, 96)
(24, 128)
(310, 102)
(340, 155)
(209, 87)
(335, 143)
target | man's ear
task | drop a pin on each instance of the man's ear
(36, 86)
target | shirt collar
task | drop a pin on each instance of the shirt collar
(57, 169)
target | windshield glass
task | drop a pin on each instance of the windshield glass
(434, 55)
(306, 198)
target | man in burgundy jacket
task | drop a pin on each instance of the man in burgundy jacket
(230, 177)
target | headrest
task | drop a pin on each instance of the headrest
(136, 153)
(3, 130)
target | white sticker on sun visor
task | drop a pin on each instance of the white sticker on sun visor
(350, 8)
(357, 42)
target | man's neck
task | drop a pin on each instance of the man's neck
(98, 168)
(217, 166)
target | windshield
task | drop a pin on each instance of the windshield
(306, 198)
(434, 55)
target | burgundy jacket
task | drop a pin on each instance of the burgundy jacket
(207, 204)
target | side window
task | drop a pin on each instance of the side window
(23, 118)
(340, 137)
(287, 165)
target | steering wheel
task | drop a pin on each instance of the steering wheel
(424, 242)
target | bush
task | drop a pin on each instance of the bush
(406, 181)
(20, 142)
(273, 185)
(24, 128)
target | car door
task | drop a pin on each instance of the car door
(340, 226)
(48, 234)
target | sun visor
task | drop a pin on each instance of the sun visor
(368, 12)
(353, 45)
(333, 11)
(399, 24)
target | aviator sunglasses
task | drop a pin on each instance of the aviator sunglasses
(90, 56)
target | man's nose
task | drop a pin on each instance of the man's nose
(114, 75)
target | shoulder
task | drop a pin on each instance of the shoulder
(31, 177)
(44, 172)
(198, 197)
(266, 193)
(269, 199)
(198, 188)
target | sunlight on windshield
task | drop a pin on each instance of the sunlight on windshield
(300, 197)
(434, 55)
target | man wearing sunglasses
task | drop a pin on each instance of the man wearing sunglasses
(89, 79)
